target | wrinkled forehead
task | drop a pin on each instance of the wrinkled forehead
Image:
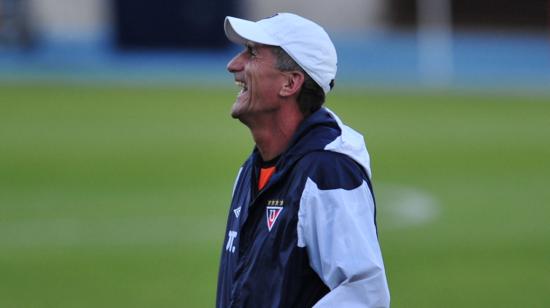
(262, 47)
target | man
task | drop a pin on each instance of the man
(301, 230)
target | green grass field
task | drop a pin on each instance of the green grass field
(117, 196)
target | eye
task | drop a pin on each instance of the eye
(251, 51)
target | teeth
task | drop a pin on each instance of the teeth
(241, 84)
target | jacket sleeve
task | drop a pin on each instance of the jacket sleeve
(337, 227)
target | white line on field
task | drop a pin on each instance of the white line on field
(404, 206)
(398, 207)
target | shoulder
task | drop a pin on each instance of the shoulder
(332, 170)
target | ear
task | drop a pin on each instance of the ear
(292, 83)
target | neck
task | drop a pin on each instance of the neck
(273, 132)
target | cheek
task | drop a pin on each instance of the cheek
(265, 84)
(255, 85)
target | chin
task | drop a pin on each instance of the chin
(239, 108)
(234, 115)
(241, 115)
(235, 111)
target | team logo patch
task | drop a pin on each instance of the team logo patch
(237, 211)
(272, 215)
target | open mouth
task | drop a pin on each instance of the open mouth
(241, 85)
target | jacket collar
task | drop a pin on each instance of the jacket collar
(313, 134)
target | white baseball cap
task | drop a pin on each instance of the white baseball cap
(304, 41)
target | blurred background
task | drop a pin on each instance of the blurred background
(118, 154)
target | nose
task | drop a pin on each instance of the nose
(236, 64)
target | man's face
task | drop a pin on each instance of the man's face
(260, 82)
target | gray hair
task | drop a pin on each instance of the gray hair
(311, 96)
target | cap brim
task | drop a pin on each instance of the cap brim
(241, 31)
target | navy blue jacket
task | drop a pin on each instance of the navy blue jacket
(309, 236)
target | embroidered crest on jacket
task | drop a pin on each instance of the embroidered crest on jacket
(272, 213)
